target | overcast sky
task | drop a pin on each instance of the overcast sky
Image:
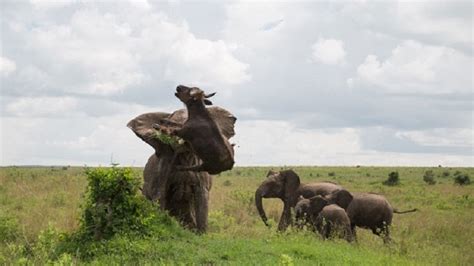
(311, 83)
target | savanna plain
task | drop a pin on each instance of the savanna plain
(41, 207)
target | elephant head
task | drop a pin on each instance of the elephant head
(301, 211)
(282, 185)
(340, 197)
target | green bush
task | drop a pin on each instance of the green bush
(112, 204)
(461, 179)
(393, 179)
(428, 177)
(9, 229)
(331, 174)
(446, 173)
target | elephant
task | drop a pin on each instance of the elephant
(367, 210)
(286, 186)
(184, 194)
(327, 219)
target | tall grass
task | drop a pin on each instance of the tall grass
(35, 199)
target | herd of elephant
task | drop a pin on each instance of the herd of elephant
(326, 207)
(178, 174)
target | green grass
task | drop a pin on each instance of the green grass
(33, 199)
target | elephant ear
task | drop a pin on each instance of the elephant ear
(291, 183)
(224, 120)
(272, 172)
(316, 204)
(342, 198)
(142, 126)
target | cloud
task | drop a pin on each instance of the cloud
(83, 69)
(96, 52)
(432, 22)
(440, 137)
(413, 67)
(282, 143)
(7, 66)
(42, 106)
(329, 51)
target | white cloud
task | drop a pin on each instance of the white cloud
(42, 106)
(106, 53)
(192, 60)
(281, 143)
(329, 51)
(446, 21)
(7, 66)
(440, 137)
(131, 53)
(416, 68)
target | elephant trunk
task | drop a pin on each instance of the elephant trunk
(258, 203)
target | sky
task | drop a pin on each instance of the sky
(310, 82)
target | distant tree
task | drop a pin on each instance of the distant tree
(461, 179)
(428, 177)
(393, 179)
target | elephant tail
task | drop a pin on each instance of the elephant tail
(407, 211)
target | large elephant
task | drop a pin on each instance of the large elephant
(184, 194)
(286, 186)
(367, 210)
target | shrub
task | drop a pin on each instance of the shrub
(446, 173)
(428, 177)
(227, 183)
(9, 229)
(393, 179)
(331, 174)
(461, 179)
(112, 204)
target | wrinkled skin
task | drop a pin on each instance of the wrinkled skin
(184, 194)
(286, 186)
(368, 210)
(330, 219)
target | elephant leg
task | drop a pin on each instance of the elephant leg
(376, 231)
(285, 219)
(354, 232)
(385, 233)
(327, 231)
(348, 235)
(201, 205)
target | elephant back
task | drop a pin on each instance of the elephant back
(335, 214)
(318, 188)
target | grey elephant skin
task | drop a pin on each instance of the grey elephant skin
(368, 210)
(286, 186)
(327, 219)
(184, 194)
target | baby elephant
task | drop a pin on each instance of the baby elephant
(328, 219)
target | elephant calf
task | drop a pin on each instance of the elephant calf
(326, 218)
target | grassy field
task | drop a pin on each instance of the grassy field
(37, 203)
